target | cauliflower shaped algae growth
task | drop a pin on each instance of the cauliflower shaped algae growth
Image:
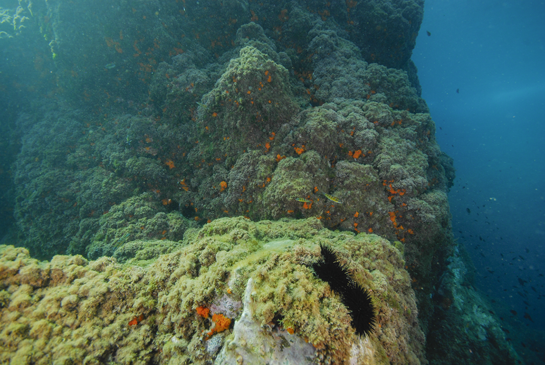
(232, 289)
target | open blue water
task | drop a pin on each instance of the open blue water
(493, 52)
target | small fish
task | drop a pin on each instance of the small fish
(429, 33)
(302, 200)
(457, 91)
(109, 66)
(332, 198)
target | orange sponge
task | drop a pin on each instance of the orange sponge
(203, 311)
(222, 323)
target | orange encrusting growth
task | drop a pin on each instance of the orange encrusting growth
(391, 190)
(135, 320)
(184, 185)
(221, 324)
(299, 150)
(223, 185)
(393, 218)
(170, 164)
(203, 311)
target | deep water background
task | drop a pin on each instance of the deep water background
(494, 128)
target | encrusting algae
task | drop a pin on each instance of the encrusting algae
(172, 309)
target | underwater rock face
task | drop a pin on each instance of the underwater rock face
(467, 315)
(173, 309)
(255, 345)
(251, 146)
(78, 185)
(341, 72)
(164, 29)
(387, 30)
(257, 155)
(250, 101)
(259, 110)
(131, 224)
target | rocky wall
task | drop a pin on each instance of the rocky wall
(282, 127)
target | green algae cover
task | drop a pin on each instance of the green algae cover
(147, 311)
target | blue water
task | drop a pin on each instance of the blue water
(494, 128)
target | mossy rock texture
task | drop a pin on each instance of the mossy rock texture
(71, 310)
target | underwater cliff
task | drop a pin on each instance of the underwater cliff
(189, 165)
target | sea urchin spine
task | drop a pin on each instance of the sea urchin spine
(356, 298)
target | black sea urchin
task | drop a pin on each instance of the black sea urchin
(354, 296)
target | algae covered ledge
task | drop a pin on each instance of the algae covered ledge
(174, 309)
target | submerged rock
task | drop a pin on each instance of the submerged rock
(181, 306)
(254, 344)
(265, 110)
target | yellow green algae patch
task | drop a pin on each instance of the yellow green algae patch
(257, 274)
